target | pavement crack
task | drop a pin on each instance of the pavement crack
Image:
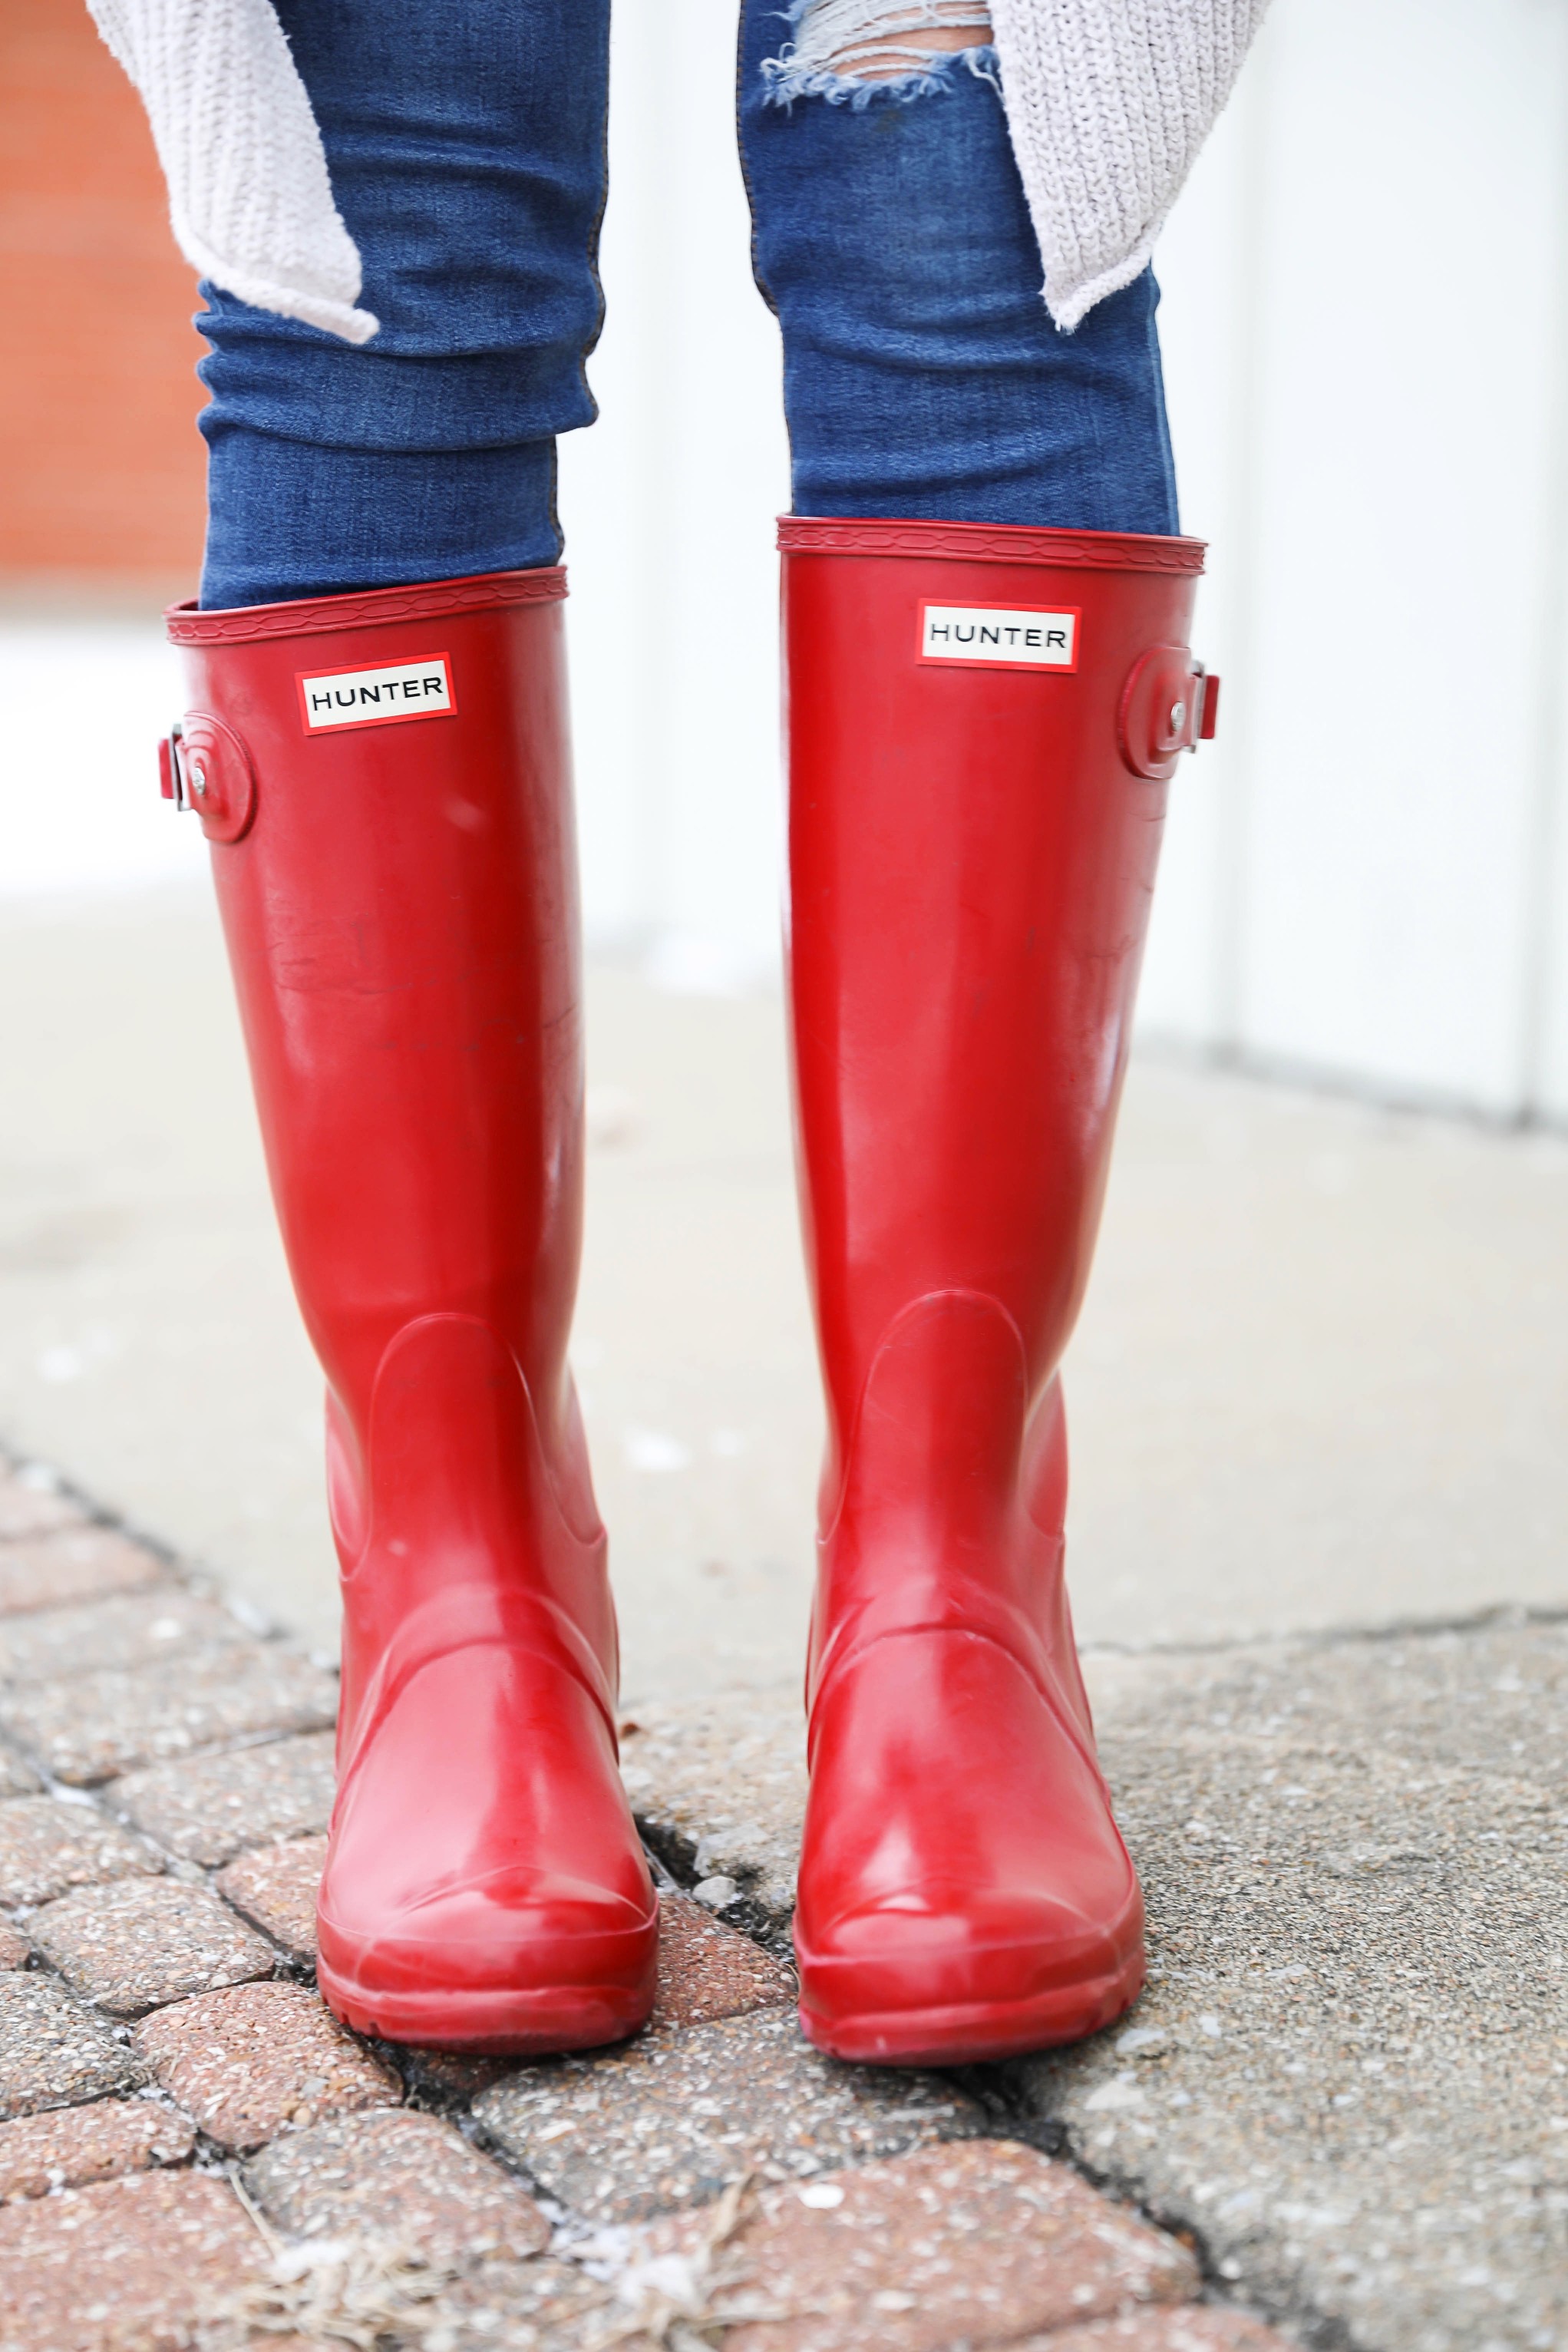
(1225, 2280)
(1497, 1616)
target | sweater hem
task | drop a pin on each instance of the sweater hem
(1071, 305)
(332, 314)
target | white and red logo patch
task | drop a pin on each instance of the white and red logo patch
(377, 698)
(1000, 637)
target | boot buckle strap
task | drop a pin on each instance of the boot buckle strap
(203, 766)
(1169, 705)
(171, 777)
(1202, 700)
(1194, 710)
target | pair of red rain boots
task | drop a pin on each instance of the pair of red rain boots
(981, 726)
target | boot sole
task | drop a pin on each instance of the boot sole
(536, 2022)
(965, 2033)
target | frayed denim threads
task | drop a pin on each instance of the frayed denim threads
(924, 378)
(790, 77)
(923, 374)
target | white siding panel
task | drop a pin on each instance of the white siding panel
(1366, 335)
(1548, 1026)
(669, 504)
(1406, 363)
(1204, 268)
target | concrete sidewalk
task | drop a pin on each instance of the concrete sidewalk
(1342, 2099)
(1319, 1517)
(1321, 1378)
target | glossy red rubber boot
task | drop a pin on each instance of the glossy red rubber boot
(385, 781)
(981, 725)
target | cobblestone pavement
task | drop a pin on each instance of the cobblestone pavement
(1347, 2082)
(1343, 2103)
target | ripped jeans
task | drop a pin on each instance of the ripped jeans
(923, 376)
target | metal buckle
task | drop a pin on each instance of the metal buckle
(172, 768)
(1192, 722)
(1199, 710)
(183, 786)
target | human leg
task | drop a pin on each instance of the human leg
(987, 688)
(923, 375)
(467, 150)
(384, 776)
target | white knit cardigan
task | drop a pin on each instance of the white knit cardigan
(1108, 102)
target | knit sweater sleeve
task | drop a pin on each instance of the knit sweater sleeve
(1108, 103)
(250, 198)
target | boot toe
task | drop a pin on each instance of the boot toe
(515, 1967)
(470, 1903)
(945, 1975)
(518, 1931)
(964, 1891)
(933, 1946)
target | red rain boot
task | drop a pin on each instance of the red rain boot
(385, 780)
(981, 726)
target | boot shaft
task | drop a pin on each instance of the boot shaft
(385, 780)
(981, 725)
(395, 864)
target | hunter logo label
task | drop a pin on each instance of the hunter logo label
(374, 698)
(1000, 637)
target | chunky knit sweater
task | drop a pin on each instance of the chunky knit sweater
(1108, 102)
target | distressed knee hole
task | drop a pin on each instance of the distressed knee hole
(844, 51)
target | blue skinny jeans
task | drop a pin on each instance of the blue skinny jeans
(923, 377)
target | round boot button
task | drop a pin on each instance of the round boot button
(219, 776)
(1154, 725)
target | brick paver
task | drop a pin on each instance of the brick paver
(249, 2062)
(77, 1564)
(125, 2266)
(721, 1795)
(675, 2117)
(707, 1971)
(47, 1847)
(131, 1629)
(407, 2178)
(452, 2077)
(757, 2196)
(92, 1726)
(53, 2052)
(210, 1808)
(276, 1888)
(72, 2146)
(136, 1945)
(31, 1503)
(975, 2245)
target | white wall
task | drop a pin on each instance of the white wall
(1366, 335)
(669, 505)
(1365, 327)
